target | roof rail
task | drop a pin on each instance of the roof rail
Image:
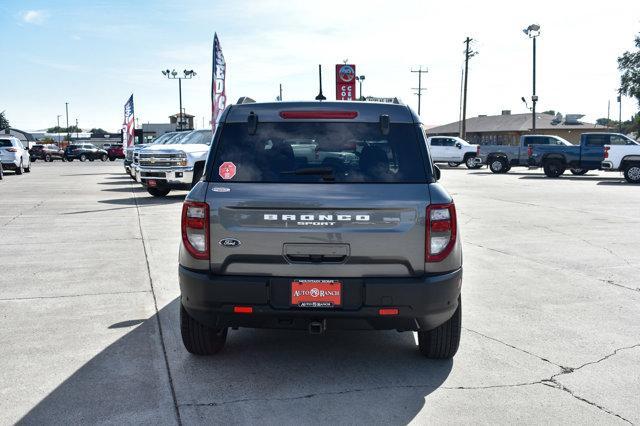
(245, 100)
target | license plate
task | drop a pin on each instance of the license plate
(152, 183)
(316, 293)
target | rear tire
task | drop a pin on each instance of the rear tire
(158, 192)
(83, 157)
(498, 165)
(453, 164)
(104, 157)
(578, 172)
(470, 163)
(553, 168)
(20, 168)
(47, 158)
(442, 342)
(632, 173)
(199, 339)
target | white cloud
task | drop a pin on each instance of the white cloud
(36, 17)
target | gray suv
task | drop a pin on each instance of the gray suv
(320, 216)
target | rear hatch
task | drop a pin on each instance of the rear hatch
(318, 199)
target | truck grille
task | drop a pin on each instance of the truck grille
(160, 159)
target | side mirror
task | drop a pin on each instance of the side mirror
(436, 172)
(458, 145)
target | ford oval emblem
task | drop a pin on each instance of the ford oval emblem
(229, 242)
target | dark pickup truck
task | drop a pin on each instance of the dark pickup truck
(500, 158)
(556, 159)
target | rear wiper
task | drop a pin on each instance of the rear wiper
(325, 172)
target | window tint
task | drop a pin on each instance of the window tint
(321, 152)
(436, 142)
(536, 140)
(597, 140)
(448, 142)
(619, 140)
(5, 143)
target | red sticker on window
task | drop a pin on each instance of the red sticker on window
(227, 170)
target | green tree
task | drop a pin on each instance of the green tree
(99, 132)
(550, 111)
(629, 65)
(4, 123)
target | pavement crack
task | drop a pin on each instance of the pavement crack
(157, 315)
(62, 296)
(21, 212)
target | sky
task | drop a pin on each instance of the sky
(93, 55)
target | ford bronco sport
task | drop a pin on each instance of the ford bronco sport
(318, 216)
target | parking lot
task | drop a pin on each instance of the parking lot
(89, 326)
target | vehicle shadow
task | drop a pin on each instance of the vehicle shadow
(564, 177)
(621, 182)
(261, 375)
(508, 173)
(143, 200)
(115, 182)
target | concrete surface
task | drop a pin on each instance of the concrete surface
(89, 315)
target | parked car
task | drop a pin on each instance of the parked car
(114, 152)
(176, 164)
(454, 151)
(1, 172)
(13, 155)
(500, 158)
(624, 158)
(129, 152)
(371, 244)
(589, 155)
(84, 152)
(46, 152)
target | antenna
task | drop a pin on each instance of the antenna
(320, 96)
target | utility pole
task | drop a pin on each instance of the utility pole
(608, 111)
(619, 111)
(58, 119)
(420, 71)
(533, 31)
(66, 107)
(467, 55)
(460, 102)
(280, 96)
(77, 130)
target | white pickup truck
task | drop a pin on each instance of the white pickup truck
(624, 157)
(174, 165)
(453, 151)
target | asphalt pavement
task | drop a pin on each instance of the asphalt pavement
(89, 327)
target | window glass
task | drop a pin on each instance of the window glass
(199, 137)
(436, 142)
(448, 142)
(597, 140)
(619, 140)
(5, 143)
(312, 152)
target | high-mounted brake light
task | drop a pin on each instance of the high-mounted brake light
(327, 115)
(195, 229)
(606, 151)
(243, 309)
(441, 230)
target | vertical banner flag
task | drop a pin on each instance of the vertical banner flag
(345, 82)
(218, 76)
(128, 135)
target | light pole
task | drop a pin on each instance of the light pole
(620, 111)
(360, 79)
(173, 75)
(66, 108)
(533, 31)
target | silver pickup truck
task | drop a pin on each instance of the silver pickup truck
(500, 158)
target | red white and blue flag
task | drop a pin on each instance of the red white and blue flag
(218, 89)
(128, 135)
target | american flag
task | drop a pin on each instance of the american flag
(128, 136)
(218, 89)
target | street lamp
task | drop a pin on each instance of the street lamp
(533, 31)
(173, 75)
(360, 79)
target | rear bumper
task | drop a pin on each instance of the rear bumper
(422, 302)
(606, 165)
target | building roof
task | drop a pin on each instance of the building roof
(513, 123)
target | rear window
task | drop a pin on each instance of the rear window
(321, 152)
(4, 143)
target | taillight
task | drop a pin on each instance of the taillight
(195, 229)
(529, 151)
(441, 229)
(12, 150)
(606, 151)
(301, 115)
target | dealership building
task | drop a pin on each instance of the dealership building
(506, 128)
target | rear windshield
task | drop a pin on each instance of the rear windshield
(4, 143)
(319, 152)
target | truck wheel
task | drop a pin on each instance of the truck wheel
(199, 339)
(159, 192)
(553, 168)
(498, 165)
(470, 163)
(47, 158)
(453, 164)
(103, 157)
(632, 173)
(83, 157)
(442, 342)
(20, 168)
(578, 172)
